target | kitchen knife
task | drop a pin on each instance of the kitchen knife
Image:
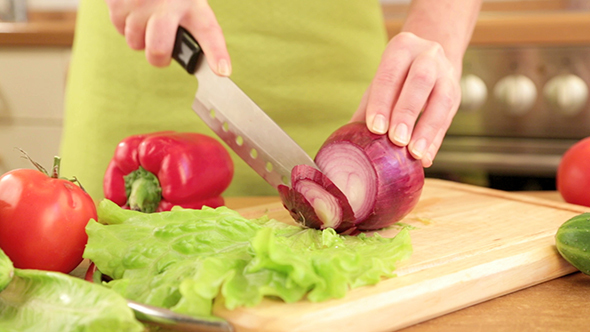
(237, 120)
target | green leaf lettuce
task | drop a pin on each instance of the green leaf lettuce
(6, 270)
(50, 301)
(185, 259)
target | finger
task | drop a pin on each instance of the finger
(385, 88)
(202, 23)
(432, 151)
(428, 158)
(135, 27)
(118, 12)
(159, 37)
(412, 99)
(441, 103)
(360, 114)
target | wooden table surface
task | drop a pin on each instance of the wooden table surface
(524, 22)
(560, 305)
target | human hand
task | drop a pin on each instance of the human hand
(152, 25)
(414, 77)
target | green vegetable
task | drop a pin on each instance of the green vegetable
(38, 300)
(184, 259)
(573, 241)
(6, 270)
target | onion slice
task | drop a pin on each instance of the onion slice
(314, 201)
(366, 182)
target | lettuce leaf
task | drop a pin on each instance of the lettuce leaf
(50, 301)
(6, 270)
(185, 259)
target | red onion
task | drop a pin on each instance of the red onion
(365, 183)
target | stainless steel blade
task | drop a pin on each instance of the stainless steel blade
(245, 128)
(171, 320)
(237, 120)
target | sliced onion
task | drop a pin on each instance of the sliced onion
(347, 166)
(314, 200)
(374, 182)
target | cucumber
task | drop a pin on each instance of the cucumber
(573, 242)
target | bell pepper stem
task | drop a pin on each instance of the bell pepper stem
(143, 191)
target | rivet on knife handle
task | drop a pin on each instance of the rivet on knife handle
(186, 50)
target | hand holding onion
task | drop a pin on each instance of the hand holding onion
(414, 96)
(364, 182)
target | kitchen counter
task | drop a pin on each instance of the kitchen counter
(42, 29)
(556, 305)
(519, 28)
(551, 27)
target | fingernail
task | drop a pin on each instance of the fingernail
(400, 135)
(379, 124)
(223, 67)
(427, 160)
(419, 148)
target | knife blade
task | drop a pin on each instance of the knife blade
(173, 321)
(237, 120)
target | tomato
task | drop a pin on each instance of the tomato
(573, 174)
(43, 220)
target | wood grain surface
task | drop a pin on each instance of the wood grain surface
(562, 304)
(471, 244)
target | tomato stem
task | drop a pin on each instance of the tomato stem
(36, 164)
(55, 169)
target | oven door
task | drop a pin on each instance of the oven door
(506, 163)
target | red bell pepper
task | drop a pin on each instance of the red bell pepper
(154, 172)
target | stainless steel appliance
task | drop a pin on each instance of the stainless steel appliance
(522, 107)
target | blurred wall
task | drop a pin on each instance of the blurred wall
(52, 5)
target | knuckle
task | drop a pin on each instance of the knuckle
(378, 106)
(158, 58)
(447, 99)
(404, 38)
(407, 111)
(450, 94)
(437, 49)
(424, 74)
(205, 27)
(385, 77)
(433, 126)
(391, 73)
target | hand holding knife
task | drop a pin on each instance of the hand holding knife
(237, 120)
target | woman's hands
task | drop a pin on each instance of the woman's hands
(414, 77)
(152, 25)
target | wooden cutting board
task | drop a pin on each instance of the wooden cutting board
(470, 244)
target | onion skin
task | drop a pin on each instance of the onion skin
(398, 180)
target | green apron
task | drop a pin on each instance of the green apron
(305, 62)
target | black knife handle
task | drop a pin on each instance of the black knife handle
(186, 50)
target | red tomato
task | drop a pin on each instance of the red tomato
(43, 220)
(573, 174)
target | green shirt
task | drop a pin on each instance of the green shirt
(305, 62)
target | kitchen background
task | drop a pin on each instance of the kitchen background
(525, 88)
